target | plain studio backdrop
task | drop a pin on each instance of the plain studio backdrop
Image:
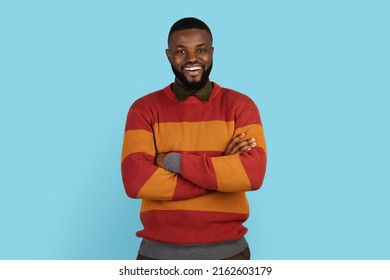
(318, 71)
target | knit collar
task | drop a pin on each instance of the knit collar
(182, 94)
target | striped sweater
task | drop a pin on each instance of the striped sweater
(206, 203)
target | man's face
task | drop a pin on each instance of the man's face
(191, 54)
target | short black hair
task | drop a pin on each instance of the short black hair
(189, 23)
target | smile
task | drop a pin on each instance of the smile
(195, 68)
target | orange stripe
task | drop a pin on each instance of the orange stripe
(237, 177)
(138, 140)
(214, 202)
(253, 131)
(193, 136)
(161, 185)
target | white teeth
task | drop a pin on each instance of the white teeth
(192, 68)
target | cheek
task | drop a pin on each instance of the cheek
(207, 59)
(176, 61)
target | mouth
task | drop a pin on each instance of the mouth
(193, 71)
(194, 68)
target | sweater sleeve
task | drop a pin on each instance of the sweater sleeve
(140, 176)
(232, 173)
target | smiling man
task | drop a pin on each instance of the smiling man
(190, 54)
(191, 151)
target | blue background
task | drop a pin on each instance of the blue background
(318, 70)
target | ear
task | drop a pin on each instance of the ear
(212, 50)
(168, 55)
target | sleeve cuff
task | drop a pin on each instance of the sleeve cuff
(172, 162)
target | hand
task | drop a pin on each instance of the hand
(159, 160)
(238, 146)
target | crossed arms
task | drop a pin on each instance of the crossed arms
(236, 146)
(240, 168)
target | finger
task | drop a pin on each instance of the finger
(239, 148)
(233, 142)
(243, 146)
(235, 145)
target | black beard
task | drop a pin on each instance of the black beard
(192, 86)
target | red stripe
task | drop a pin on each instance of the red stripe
(248, 115)
(185, 189)
(192, 227)
(135, 174)
(255, 169)
(157, 108)
(193, 168)
(137, 121)
(200, 153)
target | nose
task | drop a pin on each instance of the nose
(192, 56)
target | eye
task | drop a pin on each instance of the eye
(202, 50)
(180, 52)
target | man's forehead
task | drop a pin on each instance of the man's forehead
(190, 36)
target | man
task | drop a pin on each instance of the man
(190, 152)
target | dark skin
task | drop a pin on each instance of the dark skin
(191, 52)
(190, 48)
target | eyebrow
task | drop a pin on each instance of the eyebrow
(199, 45)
